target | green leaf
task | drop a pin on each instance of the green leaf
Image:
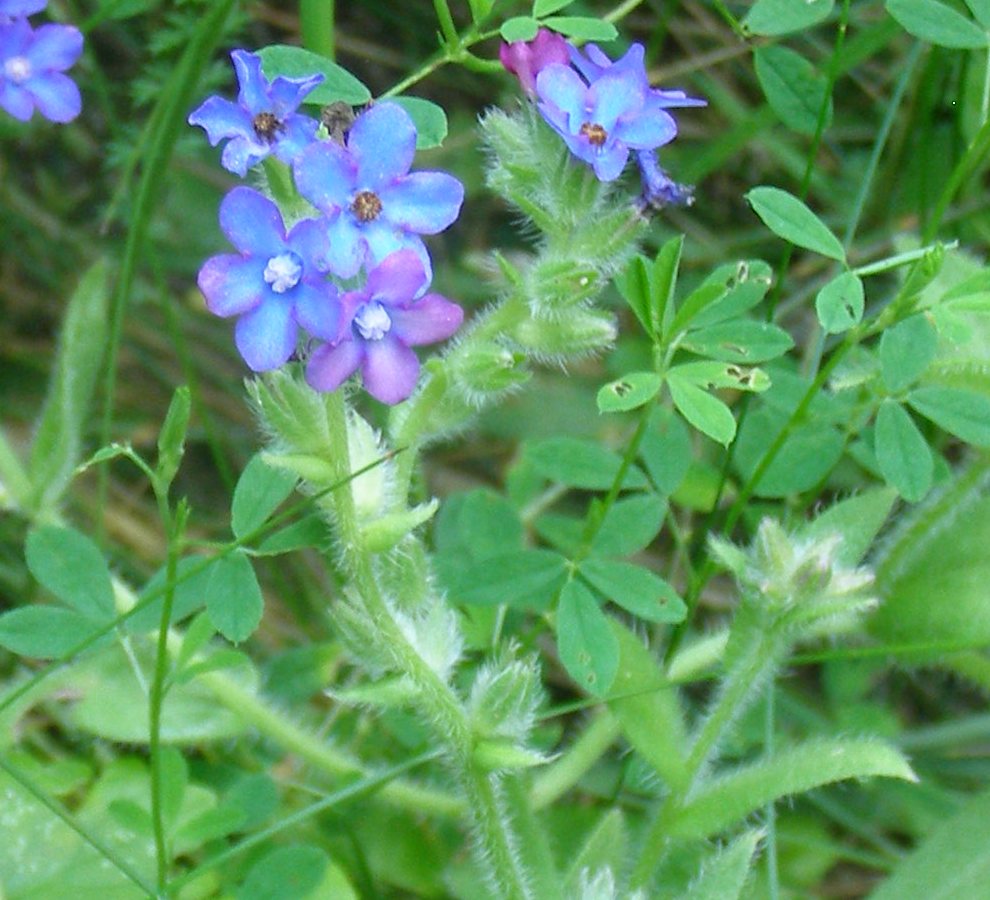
(937, 23)
(294, 62)
(519, 28)
(543, 8)
(43, 632)
(744, 284)
(952, 862)
(580, 464)
(858, 520)
(477, 525)
(57, 445)
(635, 284)
(729, 798)
(606, 847)
(981, 12)
(525, 578)
(665, 450)
(588, 648)
(789, 218)
(291, 871)
(706, 413)
(233, 600)
(635, 589)
(648, 708)
(723, 875)
(966, 414)
(840, 303)
(906, 349)
(902, 452)
(172, 437)
(480, 9)
(430, 120)
(794, 90)
(664, 280)
(310, 531)
(190, 593)
(582, 28)
(709, 374)
(630, 525)
(72, 568)
(739, 341)
(259, 492)
(772, 18)
(629, 392)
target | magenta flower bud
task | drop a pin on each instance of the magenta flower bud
(526, 59)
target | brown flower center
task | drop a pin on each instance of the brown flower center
(366, 206)
(594, 133)
(267, 126)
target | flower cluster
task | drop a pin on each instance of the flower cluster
(602, 109)
(369, 211)
(33, 63)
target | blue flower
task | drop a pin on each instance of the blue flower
(386, 319)
(32, 64)
(18, 9)
(372, 203)
(264, 119)
(603, 110)
(659, 189)
(274, 280)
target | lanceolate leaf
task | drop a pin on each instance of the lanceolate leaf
(937, 23)
(906, 350)
(588, 648)
(739, 341)
(635, 589)
(629, 392)
(730, 798)
(233, 601)
(259, 492)
(706, 413)
(790, 219)
(794, 90)
(71, 567)
(723, 877)
(902, 452)
(776, 17)
(966, 414)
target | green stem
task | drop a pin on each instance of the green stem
(451, 39)
(13, 476)
(316, 22)
(560, 776)
(966, 167)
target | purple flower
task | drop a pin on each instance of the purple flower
(526, 59)
(18, 9)
(659, 189)
(274, 278)
(264, 119)
(32, 64)
(372, 204)
(386, 320)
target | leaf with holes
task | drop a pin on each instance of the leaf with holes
(739, 341)
(840, 303)
(634, 588)
(588, 648)
(629, 392)
(706, 413)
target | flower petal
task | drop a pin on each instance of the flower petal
(319, 311)
(613, 97)
(286, 94)
(266, 336)
(330, 366)
(647, 131)
(55, 48)
(383, 240)
(397, 279)
(609, 163)
(243, 153)
(383, 141)
(308, 239)
(232, 284)
(252, 222)
(348, 249)
(562, 87)
(16, 101)
(297, 134)
(253, 94)
(326, 176)
(423, 202)
(221, 119)
(432, 318)
(390, 370)
(57, 96)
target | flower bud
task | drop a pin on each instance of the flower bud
(555, 284)
(576, 333)
(489, 369)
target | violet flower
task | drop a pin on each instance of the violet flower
(32, 66)
(386, 320)
(18, 9)
(263, 121)
(271, 279)
(372, 203)
(526, 59)
(659, 189)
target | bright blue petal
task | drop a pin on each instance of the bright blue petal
(613, 98)
(19, 8)
(326, 176)
(383, 142)
(319, 311)
(590, 61)
(253, 93)
(232, 285)
(297, 134)
(308, 240)
(430, 319)
(16, 101)
(647, 130)
(243, 153)
(383, 240)
(287, 93)
(55, 48)
(610, 161)
(221, 119)
(266, 336)
(390, 370)
(397, 279)
(330, 366)
(347, 245)
(57, 96)
(252, 223)
(560, 86)
(423, 202)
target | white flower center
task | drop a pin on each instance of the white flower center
(372, 321)
(17, 69)
(283, 272)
